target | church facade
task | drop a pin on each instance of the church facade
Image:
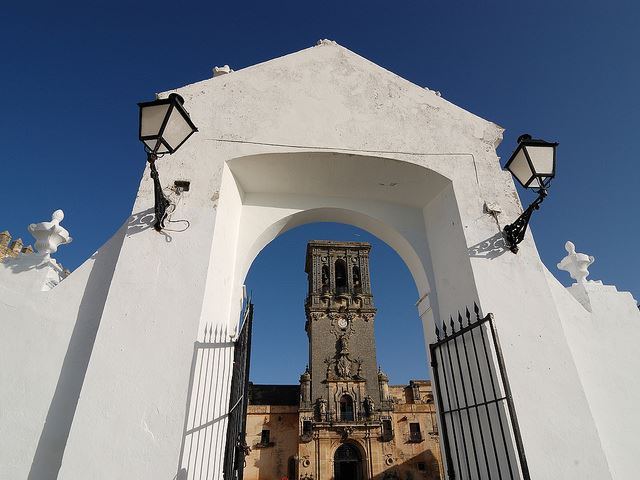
(343, 421)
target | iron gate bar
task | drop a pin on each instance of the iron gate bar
(464, 394)
(455, 391)
(484, 395)
(481, 404)
(236, 447)
(475, 400)
(512, 412)
(445, 436)
(459, 410)
(493, 386)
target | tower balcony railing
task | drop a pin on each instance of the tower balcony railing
(358, 417)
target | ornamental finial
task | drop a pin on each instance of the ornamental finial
(576, 263)
(50, 235)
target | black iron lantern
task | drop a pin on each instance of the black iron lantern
(164, 126)
(534, 165)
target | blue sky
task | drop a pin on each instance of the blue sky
(72, 73)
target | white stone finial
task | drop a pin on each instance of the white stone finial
(50, 235)
(576, 263)
(217, 71)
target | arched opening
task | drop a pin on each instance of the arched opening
(347, 463)
(346, 408)
(341, 276)
(278, 286)
(357, 282)
(325, 279)
(268, 195)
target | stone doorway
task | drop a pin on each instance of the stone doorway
(347, 463)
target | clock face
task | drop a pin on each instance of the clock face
(342, 323)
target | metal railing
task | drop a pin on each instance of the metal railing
(236, 445)
(478, 424)
(357, 417)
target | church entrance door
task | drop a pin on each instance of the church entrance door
(347, 463)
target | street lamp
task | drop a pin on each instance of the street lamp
(534, 165)
(164, 126)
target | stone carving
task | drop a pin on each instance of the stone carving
(343, 367)
(50, 235)
(367, 316)
(322, 408)
(346, 432)
(317, 315)
(341, 323)
(576, 263)
(369, 406)
(343, 345)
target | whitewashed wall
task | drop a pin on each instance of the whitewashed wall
(45, 346)
(602, 327)
(389, 156)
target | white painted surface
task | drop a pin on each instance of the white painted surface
(45, 344)
(50, 235)
(602, 328)
(38, 272)
(577, 264)
(320, 135)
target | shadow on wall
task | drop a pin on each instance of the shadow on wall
(490, 248)
(144, 220)
(181, 475)
(53, 439)
(423, 466)
(204, 431)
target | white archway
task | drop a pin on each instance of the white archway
(263, 196)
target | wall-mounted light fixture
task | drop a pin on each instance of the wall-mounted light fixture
(534, 165)
(164, 126)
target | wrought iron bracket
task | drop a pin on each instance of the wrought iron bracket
(514, 232)
(161, 202)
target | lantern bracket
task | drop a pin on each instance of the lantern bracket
(161, 201)
(514, 232)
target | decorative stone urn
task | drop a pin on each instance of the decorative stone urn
(576, 263)
(50, 235)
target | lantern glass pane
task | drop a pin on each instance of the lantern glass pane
(177, 129)
(542, 159)
(151, 119)
(519, 167)
(535, 183)
(152, 146)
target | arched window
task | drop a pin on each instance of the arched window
(346, 408)
(341, 276)
(325, 278)
(347, 463)
(357, 282)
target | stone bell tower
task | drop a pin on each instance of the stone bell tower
(340, 314)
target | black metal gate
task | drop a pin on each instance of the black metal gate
(478, 422)
(236, 446)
